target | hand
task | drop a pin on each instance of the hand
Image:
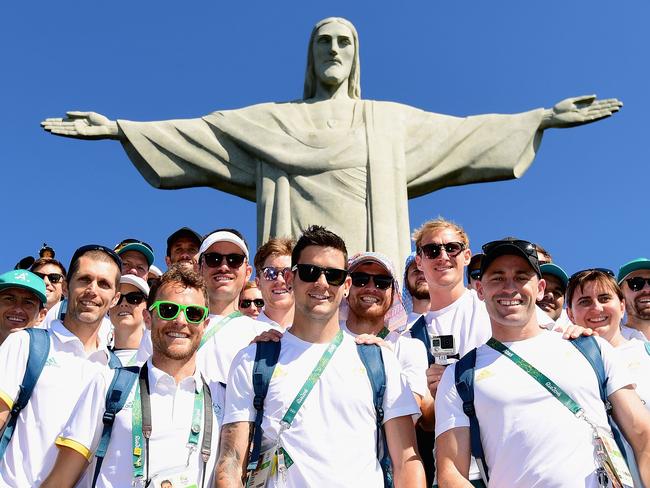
(574, 331)
(434, 373)
(270, 335)
(371, 339)
(575, 111)
(82, 125)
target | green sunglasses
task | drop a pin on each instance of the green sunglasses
(194, 314)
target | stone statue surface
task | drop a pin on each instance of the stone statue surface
(333, 158)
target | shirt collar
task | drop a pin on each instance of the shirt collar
(65, 336)
(158, 376)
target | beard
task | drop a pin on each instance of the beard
(419, 292)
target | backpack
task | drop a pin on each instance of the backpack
(464, 379)
(266, 357)
(419, 331)
(39, 350)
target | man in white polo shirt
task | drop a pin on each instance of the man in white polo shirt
(75, 357)
(23, 297)
(127, 317)
(634, 280)
(177, 314)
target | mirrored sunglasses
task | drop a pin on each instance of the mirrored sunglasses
(271, 273)
(433, 250)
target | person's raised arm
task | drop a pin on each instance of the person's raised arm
(68, 468)
(575, 111)
(83, 125)
(634, 420)
(407, 465)
(453, 458)
(233, 454)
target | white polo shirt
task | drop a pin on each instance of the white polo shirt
(171, 418)
(31, 453)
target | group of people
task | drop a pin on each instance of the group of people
(326, 369)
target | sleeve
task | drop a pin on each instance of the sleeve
(449, 406)
(83, 429)
(239, 392)
(398, 398)
(618, 376)
(14, 352)
(412, 356)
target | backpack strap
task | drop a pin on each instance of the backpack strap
(116, 396)
(419, 332)
(464, 378)
(588, 347)
(39, 349)
(373, 361)
(113, 361)
(266, 357)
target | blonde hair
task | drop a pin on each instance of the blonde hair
(436, 225)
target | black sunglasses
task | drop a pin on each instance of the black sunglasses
(132, 298)
(53, 277)
(527, 247)
(310, 273)
(258, 302)
(433, 250)
(214, 259)
(475, 274)
(126, 242)
(95, 247)
(361, 279)
(637, 283)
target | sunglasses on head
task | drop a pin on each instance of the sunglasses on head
(258, 302)
(271, 273)
(361, 279)
(433, 250)
(637, 283)
(194, 314)
(95, 247)
(606, 271)
(132, 298)
(527, 247)
(53, 277)
(310, 273)
(214, 259)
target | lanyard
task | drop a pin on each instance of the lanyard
(302, 395)
(218, 326)
(142, 408)
(383, 332)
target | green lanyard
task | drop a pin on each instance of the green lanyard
(137, 434)
(218, 326)
(538, 376)
(383, 332)
(311, 381)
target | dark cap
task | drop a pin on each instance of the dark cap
(183, 232)
(510, 246)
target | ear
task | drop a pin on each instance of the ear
(41, 315)
(569, 313)
(289, 279)
(64, 288)
(115, 299)
(257, 281)
(418, 262)
(479, 290)
(623, 306)
(467, 256)
(146, 316)
(346, 286)
(168, 262)
(249, 271)
(541, 286)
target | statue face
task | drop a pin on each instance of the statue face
(333, 51)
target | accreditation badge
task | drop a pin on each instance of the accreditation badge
(179, 477)
(614, 464)
(272, 462)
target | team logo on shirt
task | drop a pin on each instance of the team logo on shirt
(52, 362)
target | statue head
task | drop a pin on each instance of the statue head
(311, 77)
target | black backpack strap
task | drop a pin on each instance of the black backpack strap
(419, 331)
(266, 357)
(464, 378)
(373, 361)
(116, 396)
(39, 350)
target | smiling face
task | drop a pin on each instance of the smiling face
(135, 263)
(510, 287)
(19, 309)
(553, 299)
(416, 282)
(250, 294)
(176, 339)
(276, 294)
(92, 290)
(333, 50)
(184, 251)
(224, 283)
(369, 301)
(318, 301)
(637, 303)
(595, 305)
(443, 272)
(53, 291)
(125, 315)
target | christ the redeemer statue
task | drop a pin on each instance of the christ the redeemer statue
(332, 158)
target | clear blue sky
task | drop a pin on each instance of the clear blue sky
(584, 198)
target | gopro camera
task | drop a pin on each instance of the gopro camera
(443, 349)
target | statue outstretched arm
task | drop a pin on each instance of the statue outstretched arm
(574, 111)
(83, 125)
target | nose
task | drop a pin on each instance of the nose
(321, 280)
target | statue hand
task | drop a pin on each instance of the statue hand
(82, 125)
(574, 111)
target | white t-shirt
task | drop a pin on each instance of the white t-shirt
(171, 418)
(412, 357)
(31, 453)
(631, 333)
(332, 439)
(262, 317)
(530, 439)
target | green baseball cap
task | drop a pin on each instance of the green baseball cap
(135, 245)
(634, 265)
(555, 270)
(21, 278)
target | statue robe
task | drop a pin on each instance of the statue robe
(355, 176)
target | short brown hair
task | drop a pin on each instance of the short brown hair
(45, 261)
(249, 284)
(316, 235)
(186, 278)
(276, 246)
(435, 225)
(95, 255)
(599, 277)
